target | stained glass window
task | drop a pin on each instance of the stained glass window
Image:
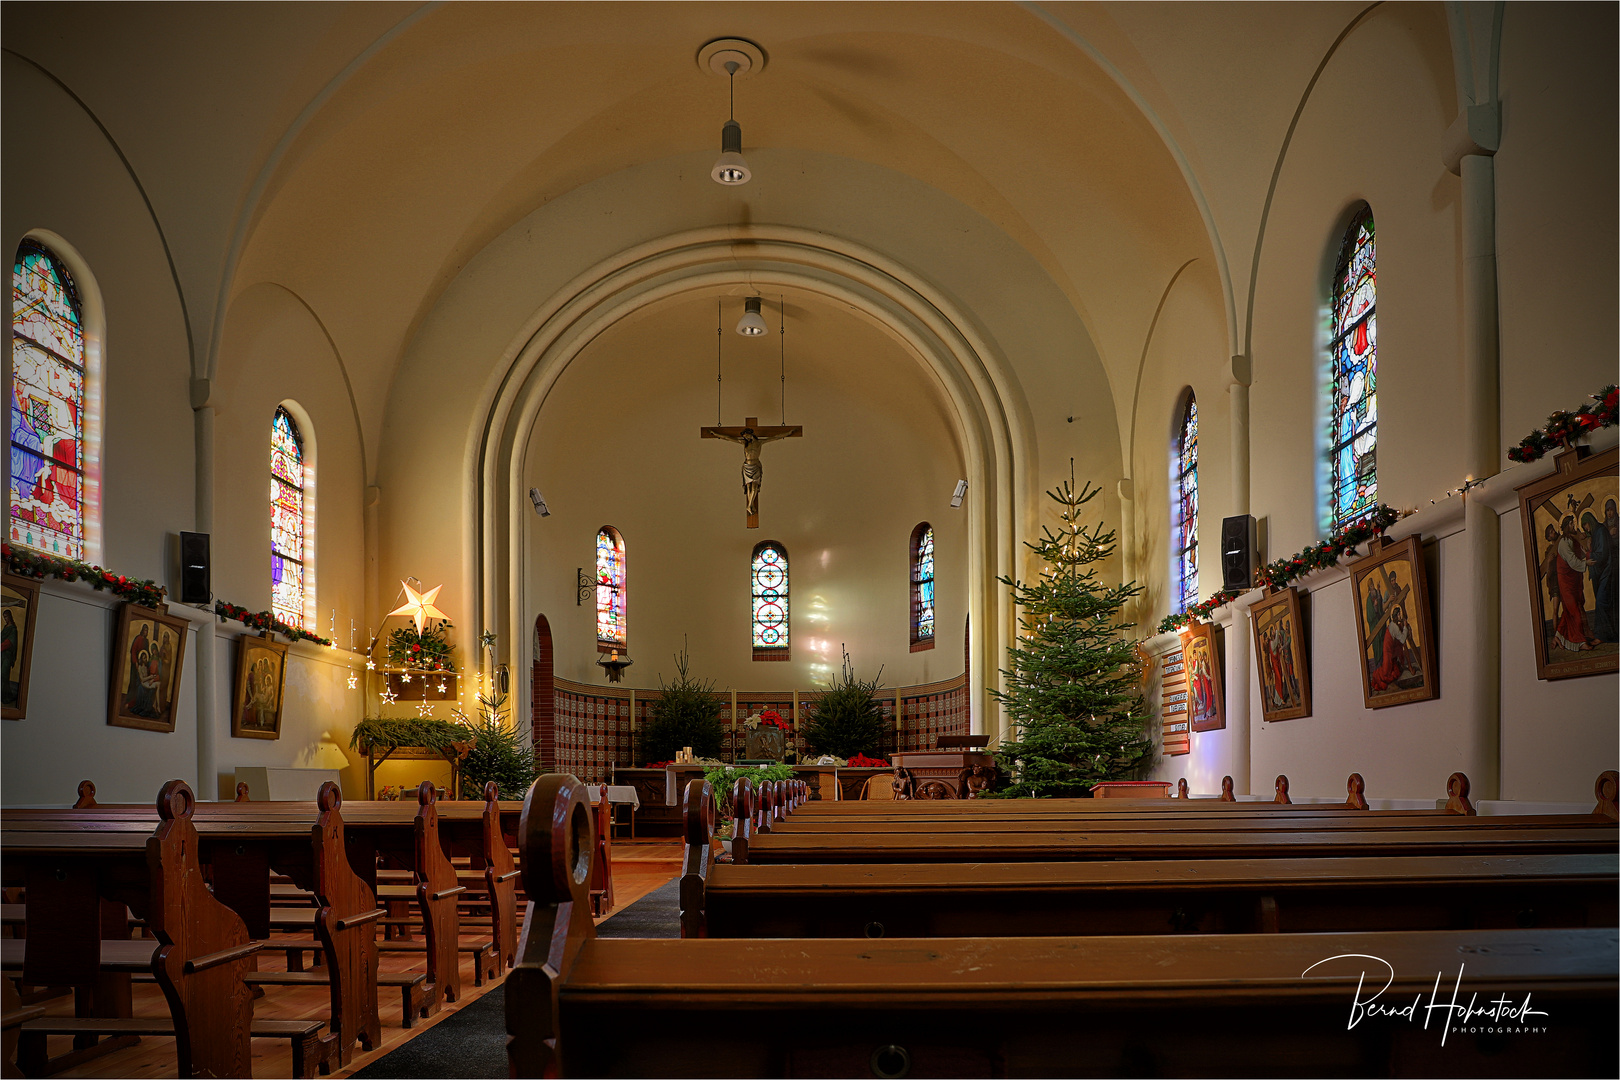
(610, 629)
(1184, 471)
(287, 520)
(1352, 429)
(47, 405)
(770, 580)
(922, 585)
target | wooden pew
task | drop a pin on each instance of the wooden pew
(1107, 1006)
(200, 956)
(244, 841)
(1206, 896)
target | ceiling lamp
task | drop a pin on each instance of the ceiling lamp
(731, 169)
(731, 57)
(752, 324)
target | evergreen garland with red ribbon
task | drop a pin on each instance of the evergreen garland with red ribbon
(1563, 428)
(1283, 571)
(26, 562)
(264, 620)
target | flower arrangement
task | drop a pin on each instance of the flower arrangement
(861, 761)
(1563, 428)
(428, 651)
(768, 718)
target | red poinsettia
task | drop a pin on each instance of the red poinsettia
(861, 761)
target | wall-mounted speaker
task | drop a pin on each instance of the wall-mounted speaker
(196, 582)
(1238, 554)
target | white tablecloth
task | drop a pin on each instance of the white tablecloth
(617, 794)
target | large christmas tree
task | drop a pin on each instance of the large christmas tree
(1074, 690)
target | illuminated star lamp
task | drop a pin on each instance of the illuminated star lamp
(419, 606)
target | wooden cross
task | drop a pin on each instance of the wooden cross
(752, 436)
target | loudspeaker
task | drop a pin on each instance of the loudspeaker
(1237, 552)
(196, 584)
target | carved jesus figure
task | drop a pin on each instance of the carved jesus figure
(752, 437)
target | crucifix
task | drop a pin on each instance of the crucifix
(752, 436)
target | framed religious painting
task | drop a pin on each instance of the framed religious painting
(1201, 666)
(149, 653)
(1570, 525)
(21, 602)
(1390, 594)
(261, 674)
(1279, 653)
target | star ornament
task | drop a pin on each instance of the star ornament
(419, 606)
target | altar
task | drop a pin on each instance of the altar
(959, 767)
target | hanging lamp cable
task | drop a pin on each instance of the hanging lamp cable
(719, 338)
(781, 319)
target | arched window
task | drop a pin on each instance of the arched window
(922, 587)
(48, 402)
(769, 575)
(291, 547)
(610, 591)
(1184, 511)
(1352, 428)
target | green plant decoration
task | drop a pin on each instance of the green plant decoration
(499, 752)
(846, 719)
(428, 651)
(687, 713)
(722, 778)
(384, 731)
(1074, 686)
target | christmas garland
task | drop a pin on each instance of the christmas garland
(264, 620)
(1283, 571)
(36, 564)
(427, 651)
(1563, 428)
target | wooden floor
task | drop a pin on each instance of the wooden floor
(639, 867)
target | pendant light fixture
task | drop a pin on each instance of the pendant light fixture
(752, 324)
(731, 169)
(731, 57)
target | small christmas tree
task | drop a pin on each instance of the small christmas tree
(1074, 690)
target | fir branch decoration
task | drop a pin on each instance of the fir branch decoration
(385, 731)
(1284, 571)
(1564, 428)
(428, 651)
(26, 562)
(264, 620)
(846, 718)
(1074, 684)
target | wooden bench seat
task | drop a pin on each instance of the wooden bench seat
(1258, 1005)
(304, 1035)
(410, 984)
(119, 955)
(483, 953)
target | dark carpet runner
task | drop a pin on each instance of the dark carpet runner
(472, 1043)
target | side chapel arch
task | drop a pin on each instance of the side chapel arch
(991, 419)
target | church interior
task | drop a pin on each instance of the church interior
(494, 378)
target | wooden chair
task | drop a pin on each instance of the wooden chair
(878, 786)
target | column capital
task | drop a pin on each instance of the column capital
(1477, 130)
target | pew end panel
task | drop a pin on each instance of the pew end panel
(556, 843)
(346, 926)
(699, 809)
(500, 880)
(204, 951)
(438, 895)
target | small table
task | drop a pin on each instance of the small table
(618, 795)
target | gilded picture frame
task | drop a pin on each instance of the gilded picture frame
(261, 678)
(1390, 595)
(149, 656)
(1571, 546)
(1281, 656)
(1201, 663)
(20, 605)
